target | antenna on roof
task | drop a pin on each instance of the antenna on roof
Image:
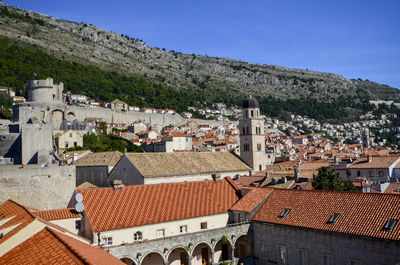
(78, 197)
(79, 207)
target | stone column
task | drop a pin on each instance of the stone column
(190, 259)
(212, 256)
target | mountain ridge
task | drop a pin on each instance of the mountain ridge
(111, 51)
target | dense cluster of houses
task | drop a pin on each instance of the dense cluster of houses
(183, 202)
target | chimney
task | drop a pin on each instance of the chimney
(283, 179)
(216, 177)
(75, 157)
(116, 184)
(237, 177)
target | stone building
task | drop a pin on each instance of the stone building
(327, 227)
(252, 136)
(151, 168)
(95, 167)
(182, 223)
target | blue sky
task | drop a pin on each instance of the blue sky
(357, 39)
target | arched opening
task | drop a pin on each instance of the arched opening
(243, 246)
(178, 256)
(223, 251)
(57, 117)
(70, 116)
(201, 254)
(153, 258)
(252, 113)
(128, 261)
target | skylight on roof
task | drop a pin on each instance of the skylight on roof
(284, 213)
(333, 218)
(389, 226)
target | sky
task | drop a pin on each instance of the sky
(354, 38)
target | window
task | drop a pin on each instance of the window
(138, 236)
(282, 254)
(303, 257)
(78, 224)
(333, 218)
(160, 233)
(252, 113)
(260, 167)
(355, 262)
(183, 229)
(284, 213)
(328, 260)
(263, 251)
(203, 225)
(380, 174)
(258, 147)
(244, 131)
(358, 173)
(247, 130)
(108, 241)
(390, 225)
(246, 147)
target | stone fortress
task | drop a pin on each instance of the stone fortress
(29, 140)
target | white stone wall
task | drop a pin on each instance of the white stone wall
(39, 187)
(172, 228)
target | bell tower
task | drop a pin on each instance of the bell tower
(252, 136)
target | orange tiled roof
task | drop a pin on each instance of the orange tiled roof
(253, 198)
(22, 216)
(59, 214)
(109, 209)
(51, 247)
(376, 162)
(363, 214)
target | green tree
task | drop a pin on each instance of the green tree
(329, 179)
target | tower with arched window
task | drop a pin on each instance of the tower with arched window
(252, 136)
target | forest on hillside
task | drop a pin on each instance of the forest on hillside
(19, 61)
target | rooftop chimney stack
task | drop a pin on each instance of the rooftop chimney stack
(116, 184)
(216, 177)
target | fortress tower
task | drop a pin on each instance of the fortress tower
(45, 91)
(252, 136)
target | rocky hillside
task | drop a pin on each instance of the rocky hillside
(88, 44)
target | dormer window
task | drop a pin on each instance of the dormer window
(333, 218)
(389, 226)
(284, 213)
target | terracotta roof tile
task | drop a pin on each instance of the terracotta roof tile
(253, 198)
(51, 247)
(363, 214)
(172, 164)
(109, 209)
(58, 214)
(376, 162)
(21, 216)
(99, 159)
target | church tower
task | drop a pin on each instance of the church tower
(252, 136)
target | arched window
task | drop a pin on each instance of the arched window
(247, 130)
(244, 131)
(252, 113)
(138, 236)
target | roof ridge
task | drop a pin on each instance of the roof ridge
(67, 245)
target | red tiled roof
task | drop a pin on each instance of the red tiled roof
(109, 209)
(51, 247)
(376, 162)
(363, 214)
(177, 134)
(22, 216)
(253, 198)
(58, 214)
